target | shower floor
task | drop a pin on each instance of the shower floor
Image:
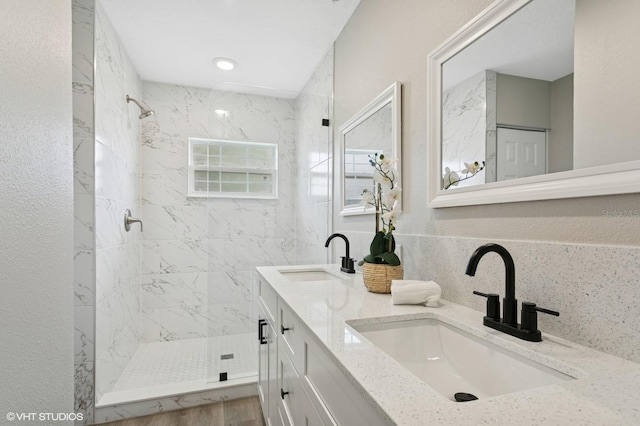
(162, 363)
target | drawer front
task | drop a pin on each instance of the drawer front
(292, 334)
(332, 391)
(269, 299)
(290, 393)
(310, 416)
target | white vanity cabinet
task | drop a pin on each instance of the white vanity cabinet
(309, 389)
(267, 354)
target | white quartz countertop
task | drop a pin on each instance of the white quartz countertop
(606, 390)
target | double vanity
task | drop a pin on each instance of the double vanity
(333, 353)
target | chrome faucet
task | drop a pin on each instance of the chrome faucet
(509, 322)
(347, 262)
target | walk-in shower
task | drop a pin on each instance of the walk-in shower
(174, 304)
(175, 320)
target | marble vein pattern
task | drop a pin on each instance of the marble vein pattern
(491, 111)
(313, 160)
(211, 244)
(117, 165)
(82, 15)
(464, 126)
(192, 272)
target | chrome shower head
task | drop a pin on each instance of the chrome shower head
(144, 112)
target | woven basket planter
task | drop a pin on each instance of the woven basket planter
(377, 277)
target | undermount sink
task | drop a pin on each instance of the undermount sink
(316, 274)
(453, 361)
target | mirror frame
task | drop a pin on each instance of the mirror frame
(620, 178)
(392, 95)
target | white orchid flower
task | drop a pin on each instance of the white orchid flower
(392, 196)
(472, 168)
(367, 198)
(387, 163)
(392, 216)
(383, 180)
(450, 178)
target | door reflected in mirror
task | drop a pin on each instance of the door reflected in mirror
(508, 97)
(543, 92)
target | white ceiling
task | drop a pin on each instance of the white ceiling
(535, 42)
(276, 43)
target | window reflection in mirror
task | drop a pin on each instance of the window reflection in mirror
(373, 130)
(372, 136)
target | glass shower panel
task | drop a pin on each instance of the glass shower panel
(245, 233)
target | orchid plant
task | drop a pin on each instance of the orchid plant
(385, 198)
(452, 178)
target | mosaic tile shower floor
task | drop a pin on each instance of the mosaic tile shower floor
(161, 363)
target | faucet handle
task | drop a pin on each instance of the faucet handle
(530, 316)
(348, 265)
(493, 304)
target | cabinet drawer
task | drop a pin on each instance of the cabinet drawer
(269, 299)
(332, 391)
(292, 334)
(290, 392)
(309, 415)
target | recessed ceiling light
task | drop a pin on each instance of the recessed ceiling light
(225, 64)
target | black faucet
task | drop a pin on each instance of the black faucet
(347, 262)
(509, 322)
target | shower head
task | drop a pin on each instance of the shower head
(144, 113)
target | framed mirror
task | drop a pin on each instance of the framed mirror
(373, 130)
(541, 94)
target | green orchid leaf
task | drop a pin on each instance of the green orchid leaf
(389, 258)
(379, 245)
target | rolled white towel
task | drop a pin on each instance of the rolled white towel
(415, 292)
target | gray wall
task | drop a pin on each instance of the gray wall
(523, 102)
(365, 65)
(527, 102)
(607, 105)
(36, 193)
(560, 136)
(437, 242)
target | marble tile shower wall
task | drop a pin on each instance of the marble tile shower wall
(313, 159)
(198, 255)
(595, 288)
(117, 187)
(84, 206)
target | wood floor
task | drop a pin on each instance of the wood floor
(238, 412)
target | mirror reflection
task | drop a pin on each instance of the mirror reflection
(372, 136)
(507, 99)
(373, 130)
